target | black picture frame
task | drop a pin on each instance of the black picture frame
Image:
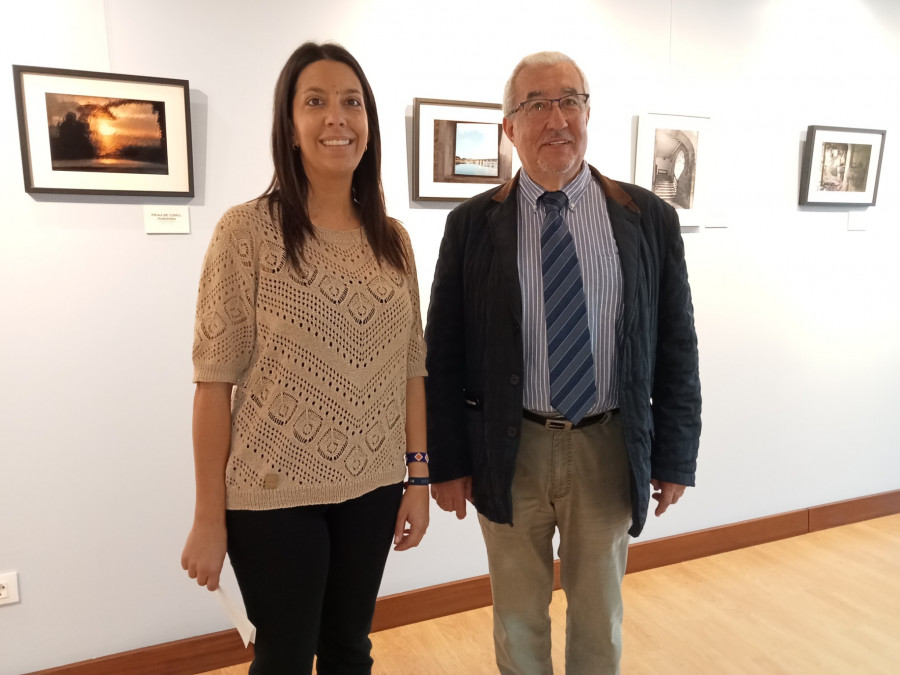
(84, 132)
(438, 129)
(841, 166)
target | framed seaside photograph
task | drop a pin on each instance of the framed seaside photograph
(841, 166)
(102, 133)
(459, 149)
(671, 156)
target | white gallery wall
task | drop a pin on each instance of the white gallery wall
(798, 317)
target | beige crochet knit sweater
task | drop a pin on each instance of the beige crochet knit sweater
(319, 356)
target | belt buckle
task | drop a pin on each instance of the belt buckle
(558, 425)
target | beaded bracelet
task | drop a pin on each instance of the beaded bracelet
(418, 480)
(416, 457)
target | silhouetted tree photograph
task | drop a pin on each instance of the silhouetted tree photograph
(90, 133)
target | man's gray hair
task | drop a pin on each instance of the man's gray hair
(537, 59)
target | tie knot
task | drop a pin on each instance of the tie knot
(554, 201)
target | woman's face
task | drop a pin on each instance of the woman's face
(330, 123)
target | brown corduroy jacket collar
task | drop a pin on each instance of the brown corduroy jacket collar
(610, 188)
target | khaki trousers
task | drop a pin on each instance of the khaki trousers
(576, 481)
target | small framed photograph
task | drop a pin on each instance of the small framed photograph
(671, 160)
(459, 149)
(102, 133)
(841, 166)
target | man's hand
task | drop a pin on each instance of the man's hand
(413, 511)
(453, 495)
(666, 494)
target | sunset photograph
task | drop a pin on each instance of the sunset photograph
(90, 133)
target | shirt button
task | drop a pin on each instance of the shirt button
(512, 432)
(514, 380)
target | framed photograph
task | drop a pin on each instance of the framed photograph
(841, 166)
(102, 133)
(459, 149)
(671, 160)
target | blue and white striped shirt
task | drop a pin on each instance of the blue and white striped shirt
(588, 221)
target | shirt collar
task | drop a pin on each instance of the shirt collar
(573, 190)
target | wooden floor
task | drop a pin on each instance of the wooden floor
(825, 603)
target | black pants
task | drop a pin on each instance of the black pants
(309, 577)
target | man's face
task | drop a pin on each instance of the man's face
(551, 147)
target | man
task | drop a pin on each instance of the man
(561, 420)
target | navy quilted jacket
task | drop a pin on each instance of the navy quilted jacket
(475, 354)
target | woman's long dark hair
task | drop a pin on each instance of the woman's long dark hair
(289, 190)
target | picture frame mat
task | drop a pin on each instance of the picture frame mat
(429, 112)
(648, 123)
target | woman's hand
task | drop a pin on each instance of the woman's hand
(414, 505)
(204, 551)
(413, 510)
(204, 554)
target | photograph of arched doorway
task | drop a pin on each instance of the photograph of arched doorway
(675, 166)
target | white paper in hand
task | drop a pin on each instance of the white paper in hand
(238, 618)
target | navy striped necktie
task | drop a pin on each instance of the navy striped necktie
(573, 389)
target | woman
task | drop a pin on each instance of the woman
(309, 364)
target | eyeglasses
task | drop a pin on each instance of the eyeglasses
(572, 104)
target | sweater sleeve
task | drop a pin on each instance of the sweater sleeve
(416, 349)
(225, 324)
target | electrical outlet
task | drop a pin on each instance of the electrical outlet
(9, 587)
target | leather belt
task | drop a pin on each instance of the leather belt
(562, 424)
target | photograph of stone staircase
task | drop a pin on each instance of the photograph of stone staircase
(665, 187)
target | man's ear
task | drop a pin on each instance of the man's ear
(508, 129)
